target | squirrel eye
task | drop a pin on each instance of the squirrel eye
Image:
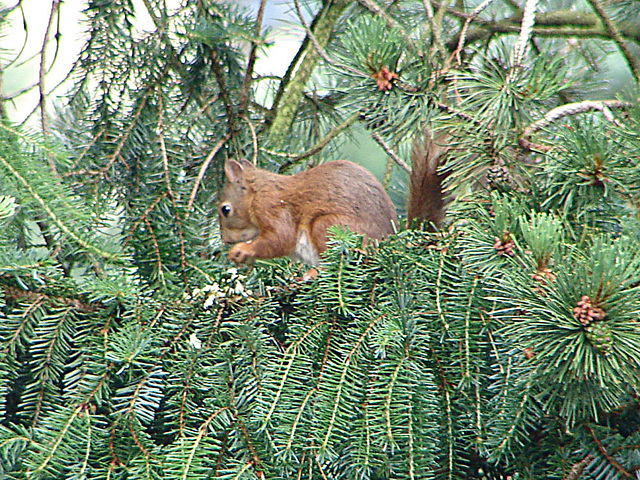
(225, 210)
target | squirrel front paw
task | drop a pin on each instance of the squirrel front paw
(240, 253)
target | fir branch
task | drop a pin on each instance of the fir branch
(57, 441)
(339, 391)
(156, 249)
(291, 353)
(603, 451)
(202, 432)
(51, 214)
(143, 218)
(126, 134)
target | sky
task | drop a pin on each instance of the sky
(19, 46)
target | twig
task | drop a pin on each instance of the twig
(401, 163)
(312, 38)
(435, 28)
(203, 170)
(41, 75)
(224, 94)
(465, 28)
(612, 461)
(319, 49)
(246, 82)
(334, 132)
(374, 8)
(26, 35)
(172, 197)
(254, 141)
(615, 35)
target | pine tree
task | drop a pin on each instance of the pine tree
(506, 345)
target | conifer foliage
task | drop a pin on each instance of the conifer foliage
(506, 346)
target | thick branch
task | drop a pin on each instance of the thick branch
(563, 23)
(288, 103)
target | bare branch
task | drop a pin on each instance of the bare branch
(389, 151)
(465, 28)
(55, 5)
(203, 170)
(615, 35)
(334, 132)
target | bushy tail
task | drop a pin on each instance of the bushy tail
(426, 201)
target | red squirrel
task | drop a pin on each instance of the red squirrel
(267, 215)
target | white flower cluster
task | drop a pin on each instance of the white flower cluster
(230, 286)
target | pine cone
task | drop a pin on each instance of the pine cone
(498, 178)
(599, 335)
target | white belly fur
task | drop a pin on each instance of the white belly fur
(305, 251)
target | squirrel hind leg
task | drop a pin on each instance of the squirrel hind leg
(305, 250)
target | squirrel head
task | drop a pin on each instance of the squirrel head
(235, 215)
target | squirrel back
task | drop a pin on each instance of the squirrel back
(267, 215)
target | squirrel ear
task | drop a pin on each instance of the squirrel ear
(247, 164)
(234, 171)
